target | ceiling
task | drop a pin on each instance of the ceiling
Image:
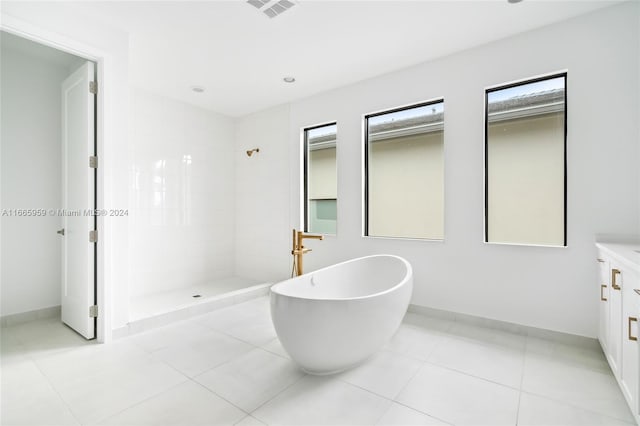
(241, 56)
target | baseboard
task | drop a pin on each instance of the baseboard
(200, 308)
(556, 336)
(22, 317)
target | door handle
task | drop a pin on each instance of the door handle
(629, 329)
(60, 231)
(603, 286)
(614, 274)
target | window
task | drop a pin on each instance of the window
(404, 172)
(525, 162)
(320, 179)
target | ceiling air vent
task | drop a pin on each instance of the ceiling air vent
(258, 3)
(275, 9)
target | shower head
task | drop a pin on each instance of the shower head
(251, 151)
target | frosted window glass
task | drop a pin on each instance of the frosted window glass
(404, 186)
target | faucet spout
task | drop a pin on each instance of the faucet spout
(312, 236)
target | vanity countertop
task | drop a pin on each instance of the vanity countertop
(628, 253)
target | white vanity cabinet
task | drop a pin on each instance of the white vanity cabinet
(619, 307)
(603, 306)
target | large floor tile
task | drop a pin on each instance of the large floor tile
(487, 335)
(274, 346)
(46, 336)
(575, 385)
(591, 358)
(170, 335)
(491, 361)
(323, 401)
(97, 396)
(27, 398)
(459, 398)
(250, 421)
(248, 321)
(197, 355)
(252, 379)
(11, 350)
(399, 415)
(385, 374)
(418, 336)
(66, 368)
(539, 411)
(186, 404)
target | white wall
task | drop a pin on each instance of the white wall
(182, 195)
(263, 230)
(552, 288)
(31, 179)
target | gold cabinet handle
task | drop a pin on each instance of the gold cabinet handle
(603, 286)
(629, 329)
(614, 274)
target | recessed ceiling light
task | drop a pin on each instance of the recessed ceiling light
(197, 89)
(289, 79)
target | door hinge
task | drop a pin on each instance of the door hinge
(93, 236)
(93, 87)
(93, 161)
(93, 311)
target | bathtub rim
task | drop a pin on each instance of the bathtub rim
(408, 276)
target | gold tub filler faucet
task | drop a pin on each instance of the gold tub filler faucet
(298, 250)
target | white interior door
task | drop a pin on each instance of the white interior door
(78, 189)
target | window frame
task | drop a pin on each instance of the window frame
(365, 154)
(305, 171)
(488, 90)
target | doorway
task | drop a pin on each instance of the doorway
(49, 192)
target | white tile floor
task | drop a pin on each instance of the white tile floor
(228, 368)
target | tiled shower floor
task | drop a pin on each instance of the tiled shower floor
(227, 367)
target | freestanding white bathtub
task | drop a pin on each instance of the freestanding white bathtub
(334, 318)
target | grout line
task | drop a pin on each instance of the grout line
(524, 361)
(394, 400)
(472, 375)
(572, 405)
(422, 412)
(222, 363)
(304, 375)
(193, 379)
(249, 415)
(273, 352)
(518, 409)
(57, 392)
(102, 420)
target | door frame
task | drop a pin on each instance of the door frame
(103, 121)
